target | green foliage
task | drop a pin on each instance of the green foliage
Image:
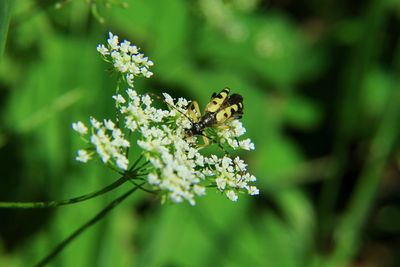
(320, 88)
(5, 15)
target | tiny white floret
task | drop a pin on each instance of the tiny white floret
(80, 128)
(246, 144)
(232, 195)
(252, 190)
(119, 99)
(103, 50)
(83, 156)
(113, 41)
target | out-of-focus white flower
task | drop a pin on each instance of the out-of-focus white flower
(252, 190)
(125, 45)
(83, 156)
(113, 41)
(119, 99)
(103, 50)
(109, 124)
(96, 124)
(168, 99)
(232, 195)
(246, 144)
(237, 128)
(80, 128)
(121, 161)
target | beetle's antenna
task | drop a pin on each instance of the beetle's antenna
(171, 106)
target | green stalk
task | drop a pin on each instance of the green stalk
(358, 67)
(117, 111)
(81, 229)
(52, 204)
(5, 15)
(348, 232)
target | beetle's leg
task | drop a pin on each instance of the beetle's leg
(194, 111)
(206, 140)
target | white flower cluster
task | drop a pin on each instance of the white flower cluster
(107, 140)
(231, 176)
(179, 170)
(125, 58)
(177, 167)
(230, 136)
(174, 164)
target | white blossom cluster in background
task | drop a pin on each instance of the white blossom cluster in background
(125, 58)
(176, 166)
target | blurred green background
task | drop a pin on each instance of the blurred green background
(321, 86)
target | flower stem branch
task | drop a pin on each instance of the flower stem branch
(144, 189)
(52, 204)
(81, 229)
(117, 113)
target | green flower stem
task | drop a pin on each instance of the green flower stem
(144, 189)
(351, 107)
(5, 16)
(127, 149)
(135, 163)
(81, 229)
(52, 204)
(117, 112)
(348, 232)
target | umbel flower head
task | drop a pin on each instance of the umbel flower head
(125, 58)
(174, 164)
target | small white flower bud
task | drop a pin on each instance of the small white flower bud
(83, 156)
(80, 128)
